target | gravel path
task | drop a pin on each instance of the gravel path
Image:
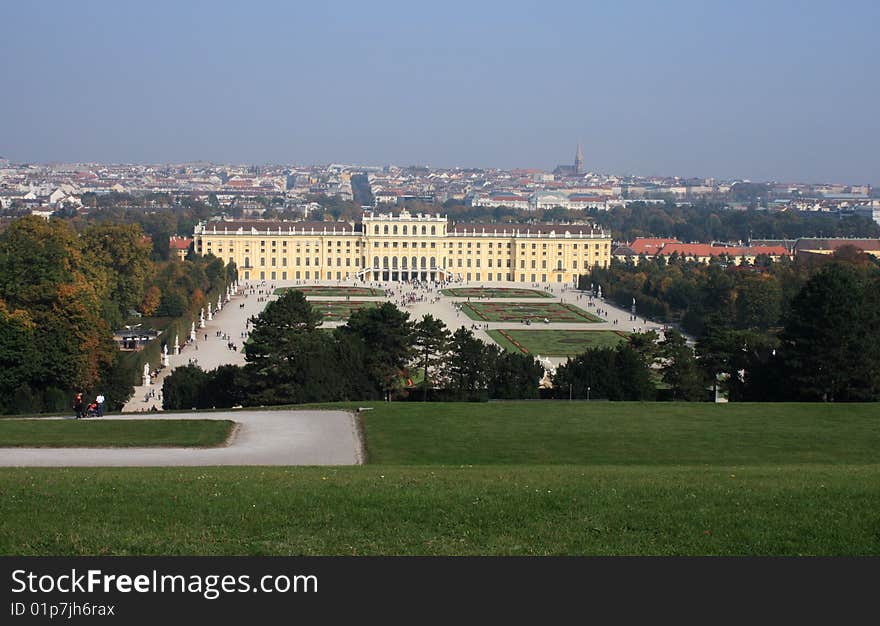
(263, 438)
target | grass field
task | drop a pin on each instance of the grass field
(622, 433)
(328, 290)
(554, 342)
(494, 292)
(509, 510)
(105, 432)
(340, 310)
(511, 478)
(519, 311)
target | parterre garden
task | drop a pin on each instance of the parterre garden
(519, 311)
(329, 290)
(555, 342)
(494, 292)
(340, 310)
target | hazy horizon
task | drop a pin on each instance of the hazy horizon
(762, 91)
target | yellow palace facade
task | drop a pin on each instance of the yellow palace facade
(401, 247)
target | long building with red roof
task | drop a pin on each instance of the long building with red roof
(702, 252)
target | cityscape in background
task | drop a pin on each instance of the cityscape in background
(251, 190)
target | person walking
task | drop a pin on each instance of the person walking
(100, 401)
(78, 405)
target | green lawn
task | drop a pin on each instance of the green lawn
(534, 311)
(494, 292)
(621, 433)
(329, 290)
(106, 432)
(340, 310)
(506, 478)
(554, 342)
(460, 510)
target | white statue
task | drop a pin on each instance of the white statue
(147, 381)
(192, 332)
(176, 345)
(219, 303)
(165, 355)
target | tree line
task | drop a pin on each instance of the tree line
(802, 329)
(63, 293)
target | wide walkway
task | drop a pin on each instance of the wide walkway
(263, 438)
(210, 349)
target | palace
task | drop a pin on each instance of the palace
(406, 246)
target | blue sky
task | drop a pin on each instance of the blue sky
(764, 90)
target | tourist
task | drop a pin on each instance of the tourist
(78, 405)
(100, 401)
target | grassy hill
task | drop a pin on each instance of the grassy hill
(513, 478)
(621, 433)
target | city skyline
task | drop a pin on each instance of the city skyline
(760, 92)
(375, 166)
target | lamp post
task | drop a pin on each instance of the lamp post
(588, 393)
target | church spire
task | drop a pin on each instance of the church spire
(579, 161)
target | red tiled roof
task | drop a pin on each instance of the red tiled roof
(707, 250)
(179, 243)
(646, 245)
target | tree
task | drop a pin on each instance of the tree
(758, 302)
(184, 388)
(150, 303)
(281, 321)
(301, 368)
(431, 339)
(468, 368)
(288, 359)
(42, 271)
(18, 360)
(224, 388)
(122, 256)
(830, 345)
(633, 374)
(619, 373)
(512, 375)
(387, 332)
(680, 370)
